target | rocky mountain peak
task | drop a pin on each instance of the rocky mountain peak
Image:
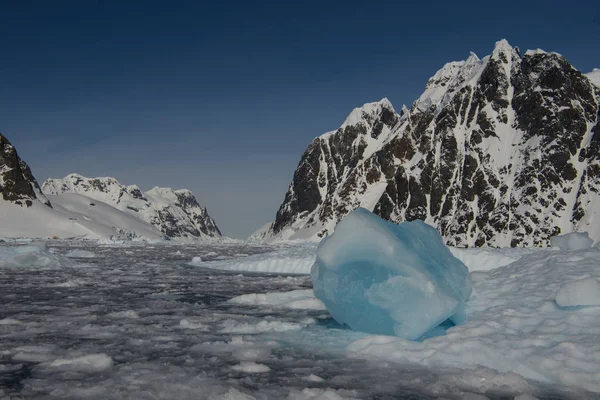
(17, 183)
(499, 151)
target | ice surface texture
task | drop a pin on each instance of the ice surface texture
(583, 292)
(383, 278)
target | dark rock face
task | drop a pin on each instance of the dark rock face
(17, 184)
(502, 151)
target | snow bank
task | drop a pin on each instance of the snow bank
(379, 277)
(296, 299)
(285, 260)
(514, 325)
(572, 241)
(34, 255)
(584, 292)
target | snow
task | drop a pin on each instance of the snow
(72, 217)
(572, 241)
(583, 292)
(534, 52)
(379, 277)
(514, 325)
(594, 76)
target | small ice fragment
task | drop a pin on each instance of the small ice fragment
(584, 292)
(251, 367)
(88, 363)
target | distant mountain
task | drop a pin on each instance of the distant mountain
(175, 213)
(499, 151)
(26, 212)
(17, 184)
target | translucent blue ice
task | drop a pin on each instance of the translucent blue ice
(384, 278)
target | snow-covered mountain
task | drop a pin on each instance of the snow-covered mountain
(499, 151)
(17, 184)
(175, 213)
(26, 212)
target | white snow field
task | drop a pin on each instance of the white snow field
(73, 216)
(138, 322)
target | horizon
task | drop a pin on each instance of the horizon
(226, 109)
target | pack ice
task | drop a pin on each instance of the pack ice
(383, 278)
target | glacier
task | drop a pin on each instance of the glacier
(379, 277)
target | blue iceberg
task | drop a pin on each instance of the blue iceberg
(379, 277)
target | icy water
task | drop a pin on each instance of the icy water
(136, 322)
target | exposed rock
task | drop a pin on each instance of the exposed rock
(17, 184)
(499, 151)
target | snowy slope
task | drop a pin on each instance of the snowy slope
(41, 221)
(175, 213)
(594, 76)
(499, 151)
(89, 210)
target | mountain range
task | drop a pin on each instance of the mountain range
(96, 208)
(499, 151)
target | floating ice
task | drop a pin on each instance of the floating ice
(296, 299)
(572, 241)
(87, 363)
(80, 254)
(379, 277)
(584, 292)
(34, 255)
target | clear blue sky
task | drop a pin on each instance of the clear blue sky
(223, 97)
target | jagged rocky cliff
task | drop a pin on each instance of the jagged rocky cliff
(175, 213)
(499, 151)
(17, 183)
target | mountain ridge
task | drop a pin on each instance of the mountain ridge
(499, 151)
(175, 213)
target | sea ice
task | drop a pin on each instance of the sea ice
(379, 277)
(584, 292)
(296, 299)
(294, 259)
(33, 255)
(78, 253)
(572, 241)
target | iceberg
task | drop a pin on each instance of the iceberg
(379, 277)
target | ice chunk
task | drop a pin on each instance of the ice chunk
(383, 278)
(584, 292)
(87, 363)
(251, 367)
(572, 241)
(296, 299)
(34, 255)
